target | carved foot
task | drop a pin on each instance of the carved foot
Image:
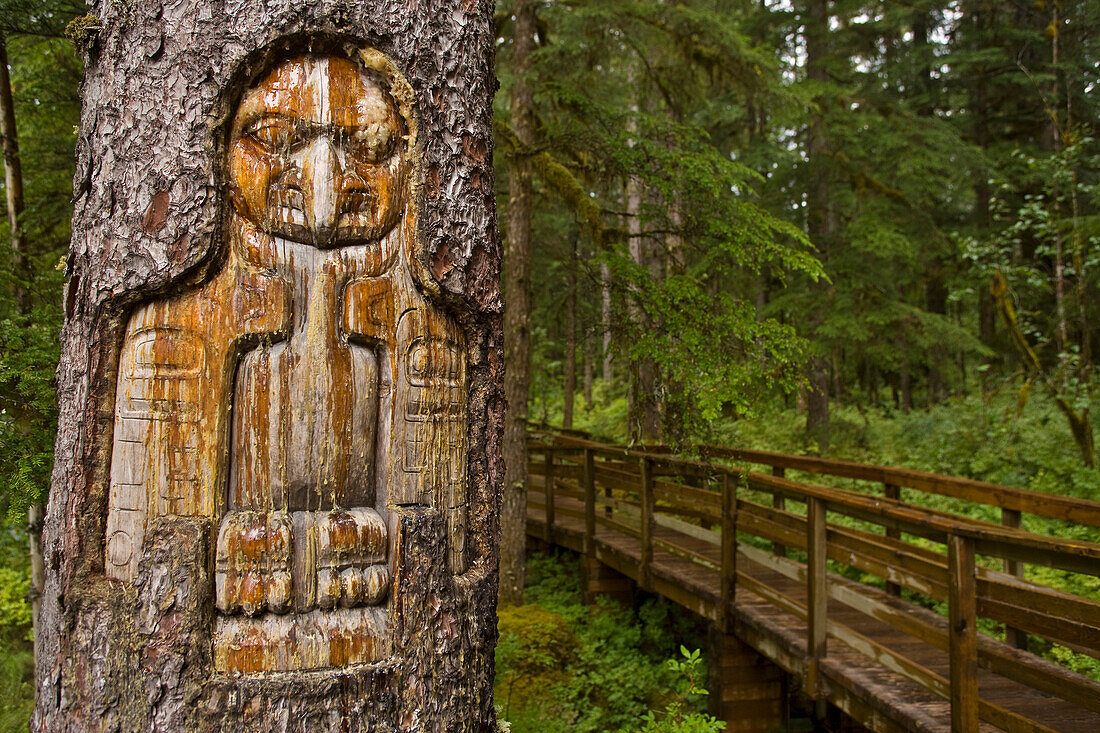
(340, 559)
(252, 571)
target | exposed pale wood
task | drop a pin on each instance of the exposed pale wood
(159, 210)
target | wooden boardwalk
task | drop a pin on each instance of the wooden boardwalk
(788, 590)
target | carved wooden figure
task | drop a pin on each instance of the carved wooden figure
(306, 388)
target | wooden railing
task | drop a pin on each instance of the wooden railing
(692, 510)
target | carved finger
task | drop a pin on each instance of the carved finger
(351, 587)
(279, 591)
(328, 589)
(376, 582)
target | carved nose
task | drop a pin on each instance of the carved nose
(321, 170)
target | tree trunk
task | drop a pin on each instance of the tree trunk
(211, 199)
(818, 216)
(817, 402)
(517, 311)
(589, 370)
(605, 321)
(935, 291)
(13, 176)
(13, 187)
(570, 389)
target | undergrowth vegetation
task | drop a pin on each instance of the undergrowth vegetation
(563, 666)
(16, 652)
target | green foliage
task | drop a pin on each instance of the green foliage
(677, 717)
(45, 73)
(645, 99)
(16, 652)
(562, 666)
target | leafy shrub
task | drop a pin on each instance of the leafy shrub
(678, 717)
(563, 666)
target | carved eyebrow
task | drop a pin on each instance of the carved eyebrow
(257, 117)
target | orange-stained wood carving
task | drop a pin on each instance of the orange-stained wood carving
(305, 388)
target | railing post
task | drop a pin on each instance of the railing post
(729, 550)
(646, 466)
(963, 634)
(890, 491)
(778, 502)
(549, 533)
(589, 503)
(1013, 637)
(817, 596)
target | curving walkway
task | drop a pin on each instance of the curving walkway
(833, 585)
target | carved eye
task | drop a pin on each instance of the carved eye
(274, 133)
(374, 143)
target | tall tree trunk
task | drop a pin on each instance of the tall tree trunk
(605, 321)
(589, 369)
(517, 312)
(138, 631)
(983, 193)
(13, 175)
(818, 217)
(644, 402)
(935, 292)
(570, 339)
(13, 187)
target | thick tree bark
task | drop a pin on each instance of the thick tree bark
(517, 312)
(150, 223)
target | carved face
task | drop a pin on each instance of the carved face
(318, 154)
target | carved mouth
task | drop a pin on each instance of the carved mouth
(287, 218)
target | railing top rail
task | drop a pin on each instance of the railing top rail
(1069, 554)
(1052, 506)
(1017, 544)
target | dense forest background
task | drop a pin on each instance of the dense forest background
(857, 228)
(794, 223)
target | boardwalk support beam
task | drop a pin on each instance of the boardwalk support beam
(963, 641)
(748, 691)
(780, 503)
(548, 533)
(644, 576)
(817, 595)
(729, 550)
(1011, 518)
(890, 491)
